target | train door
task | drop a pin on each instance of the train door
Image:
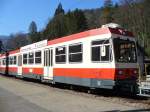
(19, 65)
(48, 63)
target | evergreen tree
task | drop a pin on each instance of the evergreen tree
(65, 24)
(32, 27)
(107, 12)
(80, 20)
(108, 3)
(33, 34)
(59, 10)
(75, 22)
(1, 46)
(71, 23)
(58, 26)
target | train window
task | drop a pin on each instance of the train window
(25, 59)
(96, 54)
(38, 57)
(75, 53)
(98, 47)
(10, 60)
(98, 42)
(125, 51)
(0, 62)
(4, 61)
(60, 54)
(31, 58)
(15, 59)
(20, 59)
(107, 53)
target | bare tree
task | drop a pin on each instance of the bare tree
(16, 41)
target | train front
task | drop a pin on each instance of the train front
(126, 67)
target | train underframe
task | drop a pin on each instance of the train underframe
(129, 86)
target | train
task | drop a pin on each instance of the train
(104, 57)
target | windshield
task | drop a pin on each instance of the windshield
(125, 51)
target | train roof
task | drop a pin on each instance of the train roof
(93, 32)
(10, 52)
(14, 51)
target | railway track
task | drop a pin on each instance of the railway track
(101, 94)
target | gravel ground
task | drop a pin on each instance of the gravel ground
(36, 97)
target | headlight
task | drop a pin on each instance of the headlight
(120, 72)
(135, 72)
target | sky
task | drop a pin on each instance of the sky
(16, 15)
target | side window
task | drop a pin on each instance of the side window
(25, 59)
(15, 60)
(19, 62)
(4, 61)
(38, 57)
(31, 58)
(100, 51)
(96, 53)
(10, 60)
(75, 52)
(60, 54)
(107, 53)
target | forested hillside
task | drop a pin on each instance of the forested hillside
(131, 14)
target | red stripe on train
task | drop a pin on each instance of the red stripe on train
(10, 69)
(99, 73)
(38, 71)
(13, 69)
(2, 69)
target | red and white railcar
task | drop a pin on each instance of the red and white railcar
(8, 62)
(99, 58)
